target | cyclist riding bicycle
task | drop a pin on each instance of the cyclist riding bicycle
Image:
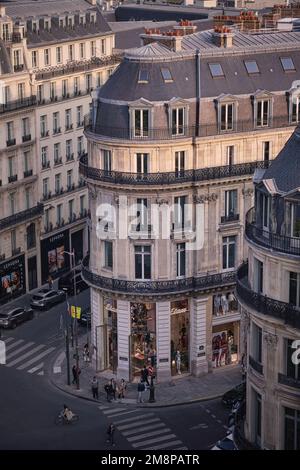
(67, 413)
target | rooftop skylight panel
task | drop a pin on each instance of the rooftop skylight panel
(143, 76)
(251, 66)
(287, 64)
(216, 70)
(166, 75)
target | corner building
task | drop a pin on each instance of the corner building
(183, 122)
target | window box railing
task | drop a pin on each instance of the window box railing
(59, 191)
(26, 138)
(60, 223)
(58, 161)
(18, 67)
(289, 381)
(53, 98)
(47, 195)
(45, 164)
(48, 228)
(10, 142)
(77, 92)
(230, 218)
(2, 257)
(70, 157)
(21, 216)
(256, 365)
(57, 130)
(71, 187)
(80, 124)
(65, 96)
(72, 218)
(44, 134)
(17, 104)
(69, 127)
(13, 178)
(16, 251)
(27, 173)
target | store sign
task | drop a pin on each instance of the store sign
(121, 358)
(54, 260)
(164, 359)
(201, 354)
(175, 311)
(12, 278)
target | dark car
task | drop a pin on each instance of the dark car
(237, 393)
(66, 282)
(14, 317)
(46, 298)
(225, 444)
(85, 319)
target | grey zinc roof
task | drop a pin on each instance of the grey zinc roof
(25, 8)
(285, 169)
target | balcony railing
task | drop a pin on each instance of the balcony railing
(18, 67)
(189, 284)
(21, 216)
(263, 304)
(201, 174)
(26, 138)
(57, 130)
(58, 161)
(201, 130)
(256, 365)
(267, 239)
(13, 178)
(16, 251)
(27, 173)
(44, 134)
(10, 142)
(77, 66)
(289, 381)
(18, 104)
(45, 164)
(230, 218)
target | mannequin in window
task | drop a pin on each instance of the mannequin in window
(178, 362)
(217, 304)
(224, 304)
(231, 301)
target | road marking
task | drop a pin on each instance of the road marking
(207, 411)
(135, 431)
(181, 448)
(35, 359)
(8, 340)
(127, 413)
(113, 412)
(225, 427)
(213, 416)
(13, 345)
(19, 359)
(199, 426)
(148, 434)
(130, 426)
(36, 368)
(17, 351)
(219, 421)
(41, 373)
(165, 445)
(152, 441)
(102, 407)
(127, 420)
(60, 359)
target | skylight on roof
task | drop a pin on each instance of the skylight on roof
(251, 66)
(287, 63)
(166, 75)
(143, 76)
(216, 70)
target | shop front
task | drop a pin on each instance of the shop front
(180, 330)
(54, 260)
(12, 279)
(225, 344)
(77, 245)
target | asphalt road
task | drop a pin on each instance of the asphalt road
(29, 403)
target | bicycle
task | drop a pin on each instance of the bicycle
(61, 419)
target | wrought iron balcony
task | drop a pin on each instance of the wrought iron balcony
(189, 284)
(230, 218)
(263, 304)
(44, 134)
(10, 142)
(18, 67)
(58, 161)
(18, 104)
(57, 130)
(201, 174)
(27, 173)
(256, 365)
(21, 216)
(289, 381)
(16, 251)
(13, 178)
(267, 239)
(45, 164)
(69, 127)
(26, 138)
(70, 157)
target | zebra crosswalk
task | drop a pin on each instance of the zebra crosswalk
(26, 356)
(143, 431)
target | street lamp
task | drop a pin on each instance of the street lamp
(72, 257)
(67, 340)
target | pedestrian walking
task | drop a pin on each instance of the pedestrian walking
(95, 388)
(74, 372)
(107, 388)
(50, 282)
(121, 389)
(113, 385)
(86, 353)
(144, 375)
(141, 389)
(110, 433)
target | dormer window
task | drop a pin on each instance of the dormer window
(166, 74)
(47, 25)
(226, 112)
(141, 122)
(295, 220)
(143, 76)
(34, 26)
(226, 121)
(93, 18)
(262, 107)
(70, 21)
(82, 19)
(178, 121)
(62, 22)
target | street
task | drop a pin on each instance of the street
(30, 403)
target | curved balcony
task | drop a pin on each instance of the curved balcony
(263, 304)
(157, 287)
(267, 239)
(22, 216)
(201, 174)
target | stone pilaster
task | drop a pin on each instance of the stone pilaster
(123, 327)
(199, 360)
(163, 341)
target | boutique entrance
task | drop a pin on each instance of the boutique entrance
(179, 337)
(111, 334)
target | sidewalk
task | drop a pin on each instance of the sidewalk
(180, 390)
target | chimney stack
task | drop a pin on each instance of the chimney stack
(223, 37)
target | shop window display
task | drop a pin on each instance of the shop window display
(224, 348)
(110, 309)
(143, 338)
(179, 337)
(224, 303)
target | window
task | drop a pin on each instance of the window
(46, 56)
(69, 179)
(82, 19)
(81, 50)
(295, 107)
(141, 122)
(229, 252)
(56, 152)
(295, 220)
(80, 148)
(108, 254)
(34, 26)
(266, 151)
(25, 126)
(251, 66)
(291, 369)
(166, 74)
(26, 159)
(227, 117)
(44, 154)
(40, 93)
(106, 155)
(56, 127)
(53, 96)
(68, 119)
(82, 204)
(10, 130)
(69, 149)
(142, 261)
(179, 163)
(70, 21)
(71, 210)
(34, 59)
(31, 238)
(180, 259)
(178, 121)
(99, 79)
(287, 64)
(143, 76)
(93, 48)
(21, 91)
(17, 59)
(59, 214)
(231, 204)
(11, 166)
(142, 214)
(65, 88)
(71, 52)
(230, 155)
(179, 212)
(88, 81)
(27, 198)
(43, 125)
(61, 22)
(257, 418)
(6, 95)
(12, 203)
(103, 46)
(142, 160)
(216, 70)
(76, 86)
(46, 25)
(57, 182)
(258, 276)
(264, 209)
(292, 429)
(294, 289)
(59, 55)
(45, 187)
(79, 113)
(5, 32)
(256, 352)
(13, 239)
(263, 113)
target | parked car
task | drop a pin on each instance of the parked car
(67, 282)
(85, 319)
(237, 393)
(46, 298)
(225, 444)
(14, 317)
(237, 413)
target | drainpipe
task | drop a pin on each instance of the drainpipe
(197, 93)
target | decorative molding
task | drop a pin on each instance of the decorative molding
(160, 202)
(202, 198)
(271, 340)
(92, 191)
(247, 192)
